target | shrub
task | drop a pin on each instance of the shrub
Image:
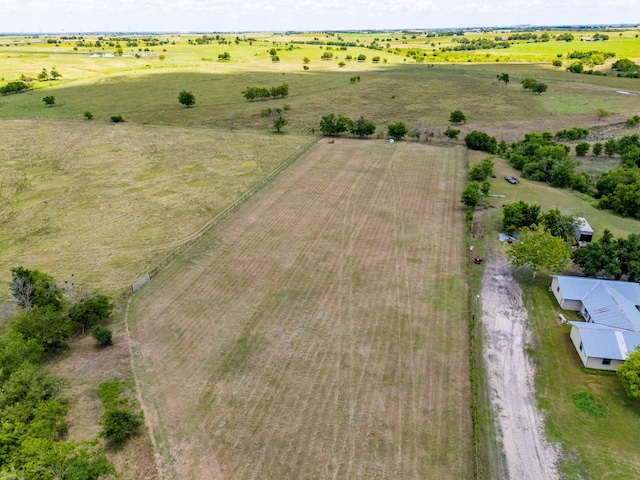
(582, 149)
(88, 115)
(102, 336)
(457, 117)
(397, 130)
(481, 141)
(481, 171)
(14, 87)
(556, 62)
(633, 121)
(452, 133)
(119, 424)
(117, 119)
(597, 148)
(49, 100)
(471, 194)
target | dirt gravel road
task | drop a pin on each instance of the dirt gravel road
(520, 424)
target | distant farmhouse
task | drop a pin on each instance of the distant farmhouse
(611, 330)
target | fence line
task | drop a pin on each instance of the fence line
(191, 239)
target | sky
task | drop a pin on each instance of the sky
(70, 16)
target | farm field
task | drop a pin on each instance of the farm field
(321, 332)
(107, 202)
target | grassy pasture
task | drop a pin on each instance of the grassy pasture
(321, 332)
(107, 202)
(416, 94)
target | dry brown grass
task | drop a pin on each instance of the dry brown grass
(106, 202)
(321, 332)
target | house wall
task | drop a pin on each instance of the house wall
(596, 363)
(577, 339)
(565, 304)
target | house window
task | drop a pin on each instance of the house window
(606, 361)
(558, 289)
(580, 346)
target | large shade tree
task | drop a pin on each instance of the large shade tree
(540, 251)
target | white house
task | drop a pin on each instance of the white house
(611, 329)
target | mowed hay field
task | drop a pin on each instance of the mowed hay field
(321, 332)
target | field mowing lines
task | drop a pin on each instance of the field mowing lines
(400, 226)
(319, 364)
(292, 313)
(317, 272)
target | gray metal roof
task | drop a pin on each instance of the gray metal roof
(602, 342)
(575, 288)
(608, 307)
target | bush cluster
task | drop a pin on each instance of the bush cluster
(263, 93)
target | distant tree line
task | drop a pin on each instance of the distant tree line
(263, 93)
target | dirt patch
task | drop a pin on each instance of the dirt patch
(520, 424)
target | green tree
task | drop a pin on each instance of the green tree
(362, 57)
(334, 125)
(90, 311)
(363, 127)
(601, 112)
(611, 147)
(397, 130)
(119, 424)
(46, 325)
(528, 83)
(503, 77)
(597, 148)
(49, 100)
(88, 115)
(629, 375)
(518, 215)
(452, 133)
(55, 74)
(279, 121)
(481, 141)
(187, 99)
(273, 52)
(540, 251)
(556, 62)
(471, 194)
(540, 88)
(481, 171)
(306, 60)
(582, 149)
(457, 117)
(558, 225)
(43, 76)
(35, 288)
(102, 335)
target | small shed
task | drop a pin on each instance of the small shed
(584, 232)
